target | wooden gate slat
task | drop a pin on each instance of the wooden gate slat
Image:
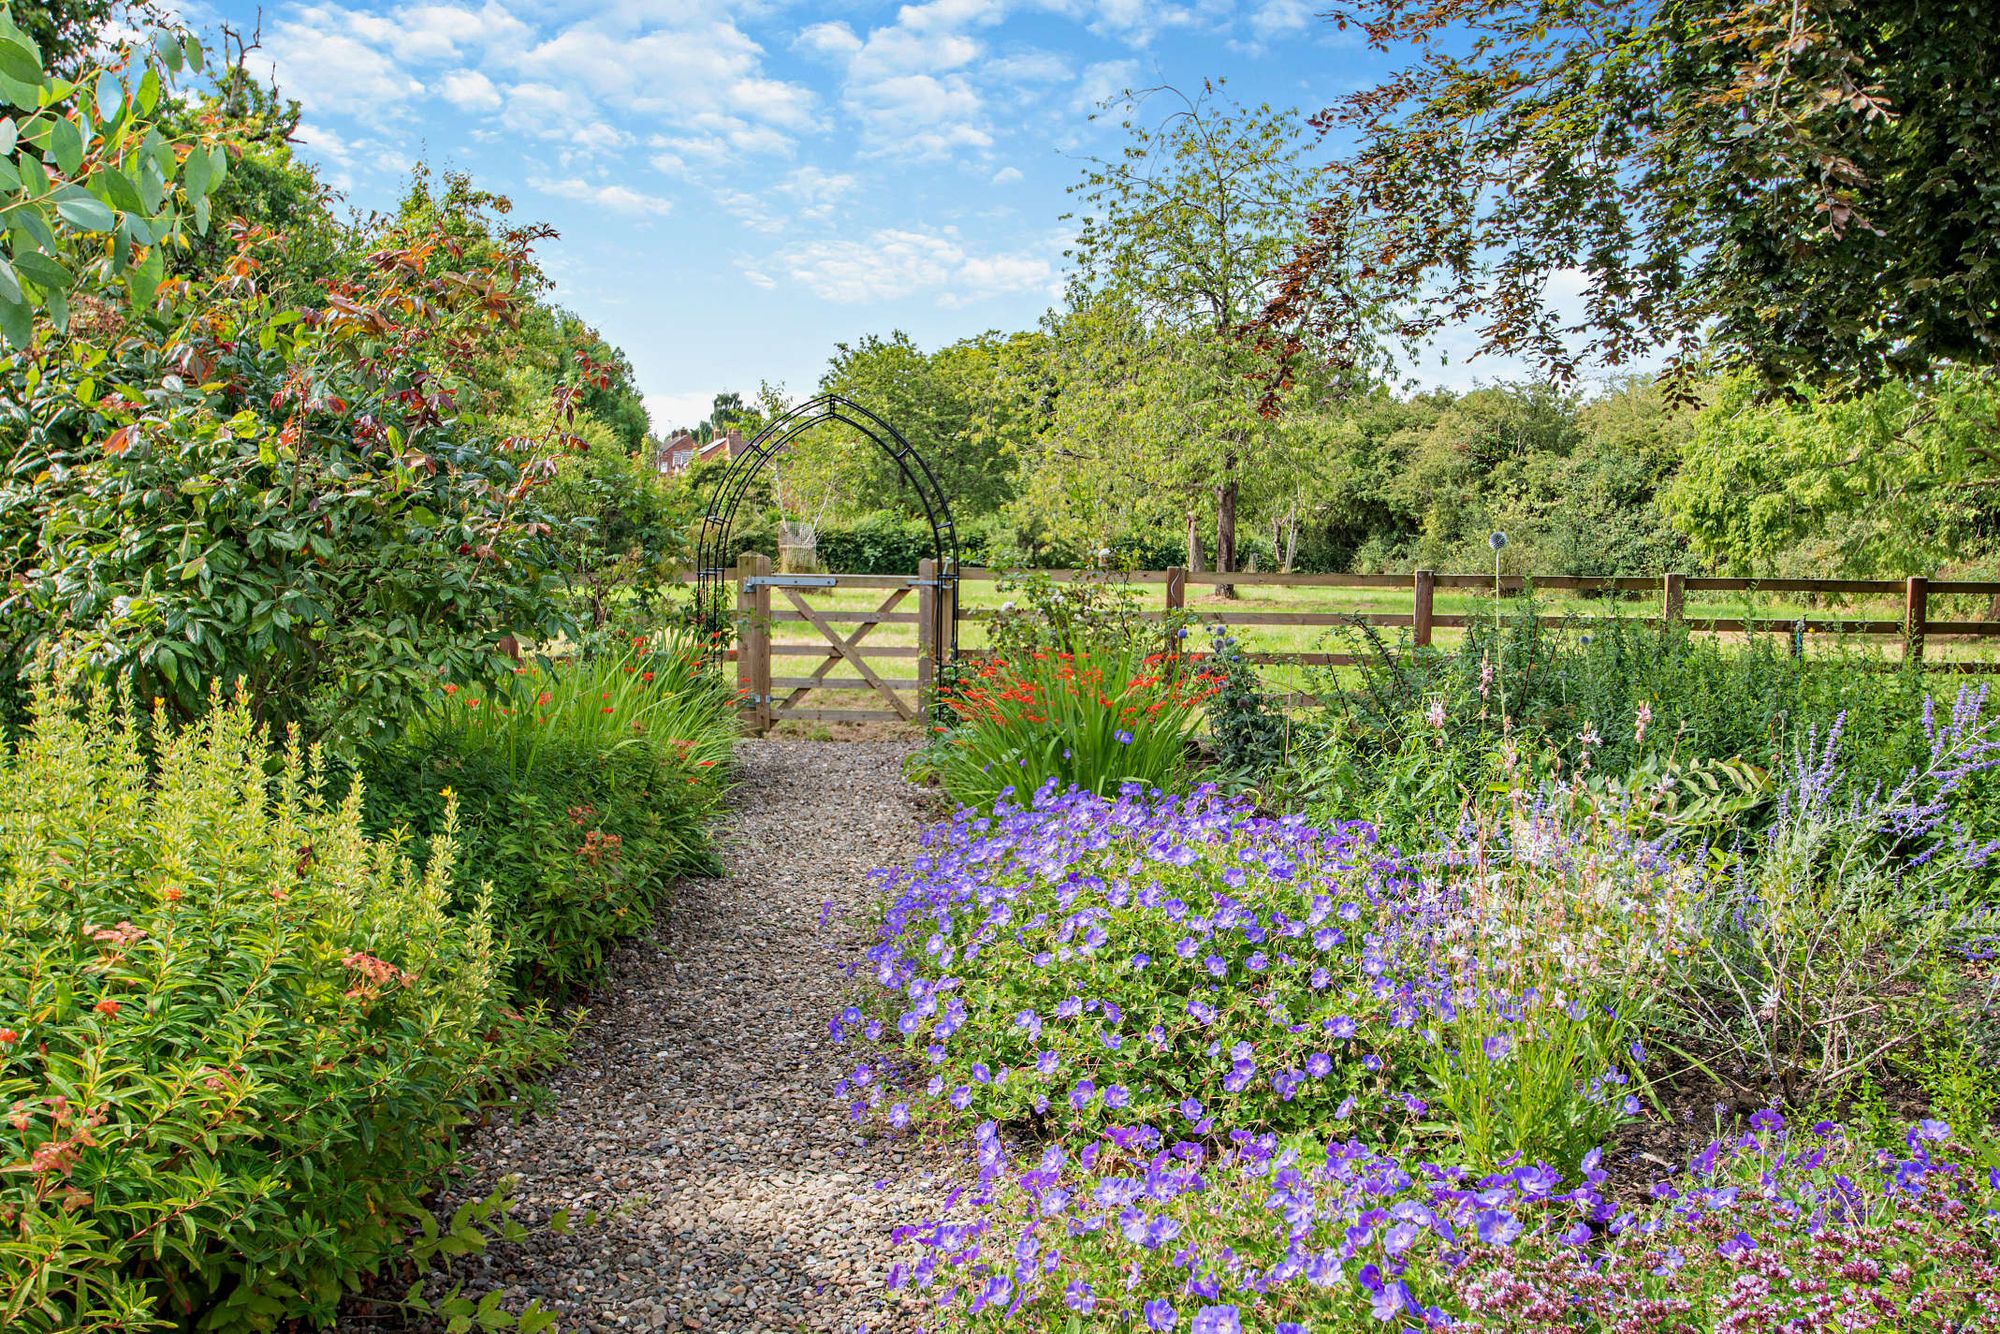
(846, 648)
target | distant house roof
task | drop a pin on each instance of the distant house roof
(681, 451)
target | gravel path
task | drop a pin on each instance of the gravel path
(697, 1108)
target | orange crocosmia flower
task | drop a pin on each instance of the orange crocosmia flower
(107, 1007)
(8, 1037)
(450, 689)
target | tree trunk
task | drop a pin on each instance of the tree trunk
(1195, 560)
(1291, 539)
(1225, 523)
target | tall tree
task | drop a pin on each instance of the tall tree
(1181, 233)
(1812, 186)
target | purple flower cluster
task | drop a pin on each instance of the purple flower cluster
(1184, 961)
(1246, 1232)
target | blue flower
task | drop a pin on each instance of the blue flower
(1160, 1314)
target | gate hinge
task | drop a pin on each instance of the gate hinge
(790, 581)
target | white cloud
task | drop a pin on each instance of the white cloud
(611, 195)
(1102, 82)
(1006, 175)
(470, 90)
(1275, 18)
(892, 263)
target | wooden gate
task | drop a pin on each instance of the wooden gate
(872, 659)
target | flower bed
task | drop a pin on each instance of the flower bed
(1094, 720)
(1083, 962)
(1772, 1231)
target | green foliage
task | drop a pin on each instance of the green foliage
(622, 535)
(1887, 483)
(281, 495)
(237, 1037)
(1094, 719)
(1249, 737)
(1793, 185)
(950, 407)
(584, 789)
(94, 196)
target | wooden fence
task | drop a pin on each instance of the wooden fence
(778, 619)
(1913, 627)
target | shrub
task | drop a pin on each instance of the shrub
(584, 789)
(290, 497)
(1184, 963)
(236, 1036)
(1089, 721)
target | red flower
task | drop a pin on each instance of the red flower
(8, 1037)
(107, 1007)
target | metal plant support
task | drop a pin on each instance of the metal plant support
(712, 549)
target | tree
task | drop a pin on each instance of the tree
(944, 404)
(1811, 186)
(63, 30)
(1173, 259)
(1888, 482)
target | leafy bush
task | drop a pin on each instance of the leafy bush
(289, 497)
(236, 1036)
(878, 543)
(584, 789)
(1185, 963)
(1088, 721)
(1249, 736)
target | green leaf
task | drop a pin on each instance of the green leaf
(110, 97)
(192, 50)
(85, 211)
(144, 278)
(58, 307)
(169, 49)
(24, 95)
(118, 187)
(218, 165)
(149, 93)
(17, 322)
(18, 62)
(194, 175)
(66, 142)
(10, 179)
(10, 286)
(43, 271)
(9, 132)
(201, 216)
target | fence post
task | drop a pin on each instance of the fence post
(1176, 599)
(1673, 596)
(928, 640)
(1425, 590)
(1916, 614)
(753, 638)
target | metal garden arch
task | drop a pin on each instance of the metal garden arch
(712, 555)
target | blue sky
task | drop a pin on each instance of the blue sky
(739, 185)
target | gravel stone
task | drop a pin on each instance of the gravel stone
(697, 1112)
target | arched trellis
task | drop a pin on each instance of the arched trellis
(712, 547)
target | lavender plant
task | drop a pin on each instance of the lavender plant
(1829, 947)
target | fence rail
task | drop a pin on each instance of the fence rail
(775, 695)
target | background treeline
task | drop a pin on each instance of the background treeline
(1619, 478)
